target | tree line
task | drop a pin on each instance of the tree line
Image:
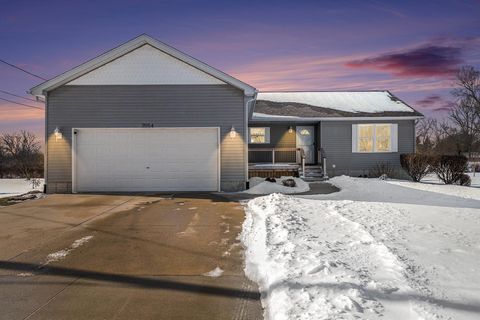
(20, 156)
(459, 133)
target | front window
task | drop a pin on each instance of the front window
(365, 137)
(382, 137)
(260, 135)
(374, 138)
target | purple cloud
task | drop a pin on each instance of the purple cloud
(435, 102)
(427, 61)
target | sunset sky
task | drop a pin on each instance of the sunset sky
(411, 48)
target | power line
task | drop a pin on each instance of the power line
(22, 104)
(14, 66)
(16, 95)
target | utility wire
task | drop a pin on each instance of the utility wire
(14, 66)
(16, 95)
(22, 104)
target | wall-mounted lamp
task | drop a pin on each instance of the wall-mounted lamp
(57, 133)
(233, 133)
(290, 129)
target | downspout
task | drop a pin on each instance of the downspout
(45, 155)
(46, 138)
(247, 115)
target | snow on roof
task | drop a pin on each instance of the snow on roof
(353, 101)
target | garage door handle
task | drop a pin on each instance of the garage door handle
(147, 167)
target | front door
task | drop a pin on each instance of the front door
(306, 141)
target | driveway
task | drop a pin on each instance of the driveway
(124, 257)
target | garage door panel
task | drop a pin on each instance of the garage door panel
(153, 159)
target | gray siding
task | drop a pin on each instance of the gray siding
(279, 138)
(336, 141)
(129, 106)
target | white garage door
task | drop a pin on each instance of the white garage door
(146, 159)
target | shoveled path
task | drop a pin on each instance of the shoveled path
(142, 258)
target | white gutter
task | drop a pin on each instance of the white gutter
(298, 119)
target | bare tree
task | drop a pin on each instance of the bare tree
(24, 150)
(465, 115)
(466, 122)
(468, 81)
(3, 161)
(426, 129)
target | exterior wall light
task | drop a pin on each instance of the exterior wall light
(233, 133)
(57, 133)
(290, 129)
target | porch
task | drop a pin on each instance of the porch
(285, 149)
(276, 162)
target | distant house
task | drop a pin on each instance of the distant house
(147, 117)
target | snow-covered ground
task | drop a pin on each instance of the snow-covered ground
(432, 183)
(374, 250)
(260, 186)
(13, 187)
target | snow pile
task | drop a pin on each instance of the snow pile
(59, 255)
(260, 186)
(15, 187)
(215, 273)
(394, 253)
(432, 184)
(355, 101)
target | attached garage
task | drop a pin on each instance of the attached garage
(146, 159)
(145, 117)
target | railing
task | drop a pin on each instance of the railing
(278, 155)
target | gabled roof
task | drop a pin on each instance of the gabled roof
(322, 105)
(128, 47)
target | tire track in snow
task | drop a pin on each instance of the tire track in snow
(315, 263)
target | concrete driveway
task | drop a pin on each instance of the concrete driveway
(124, 257)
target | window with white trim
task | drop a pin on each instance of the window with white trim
(259, 135)
(374, 137)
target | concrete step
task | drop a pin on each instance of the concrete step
(312, 171)
(316, 179)
(313, 176)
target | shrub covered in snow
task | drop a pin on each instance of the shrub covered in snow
(464, 180)
(415, 165)
(260, 186)
(449, 168)
(289, 183)
(381, 169)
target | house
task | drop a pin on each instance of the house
(339, 132)
(147, 117)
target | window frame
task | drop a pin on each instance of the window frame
(392, 135)
(266, 135)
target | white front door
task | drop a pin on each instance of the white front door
(151, 159)
(306, 141)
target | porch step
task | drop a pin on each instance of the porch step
(307, 179)
(313, 173)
